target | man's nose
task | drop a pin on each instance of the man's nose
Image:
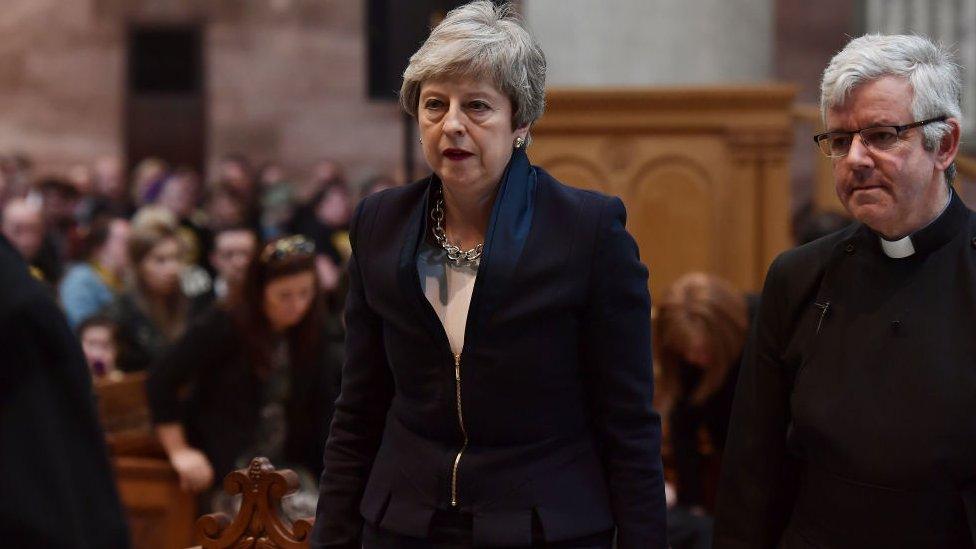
(859, 155)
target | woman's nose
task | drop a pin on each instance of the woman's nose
(453, 122)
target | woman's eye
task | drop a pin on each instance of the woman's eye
(478, 105)
(432, 104)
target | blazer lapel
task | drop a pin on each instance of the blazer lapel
(407, 275)
(508, 229)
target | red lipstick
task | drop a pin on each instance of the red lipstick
(456, 154)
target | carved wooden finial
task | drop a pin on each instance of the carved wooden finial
(258, 523)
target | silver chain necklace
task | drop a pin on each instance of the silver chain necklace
(455, 254)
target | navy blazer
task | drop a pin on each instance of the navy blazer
(553, 387)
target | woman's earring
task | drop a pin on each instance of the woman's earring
(519, 141)
(421, 140)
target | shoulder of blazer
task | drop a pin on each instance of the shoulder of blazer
(591, 204)
(398, 201)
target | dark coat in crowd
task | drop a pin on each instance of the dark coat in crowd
(555, 378)
(56, 485)
(140, 340)
(854, 422)
(206, 382)
(686, 421)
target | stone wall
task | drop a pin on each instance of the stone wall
(286, 79)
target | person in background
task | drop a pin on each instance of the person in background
(112, 196)
(265, 349)
(275, 201)
(324, 173)
(818, 224)
(180, 194)
(233, 249)
(81, 177)
(23, 225)
(376, 184)
(98, 341)
(153, 310)
(328, 228)
(91, 286)
(15, 177)
(225, 207)
(700, 327)
(147, 181)
(58, 489)
(62, 233)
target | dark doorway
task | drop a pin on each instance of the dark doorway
(165, 99)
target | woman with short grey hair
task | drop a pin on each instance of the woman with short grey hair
(498, 384)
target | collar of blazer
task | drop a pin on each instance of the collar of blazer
(508, 229)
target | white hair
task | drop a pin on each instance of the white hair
(482, 40)
(929, 68)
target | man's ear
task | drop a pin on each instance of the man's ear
(948, 146)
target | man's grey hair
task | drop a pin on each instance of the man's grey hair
(928, 67)
(484, 41)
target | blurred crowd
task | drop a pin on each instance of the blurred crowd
(133, 257)
(225, 296)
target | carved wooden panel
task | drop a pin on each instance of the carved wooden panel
(703, 171)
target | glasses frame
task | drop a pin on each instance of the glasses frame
(898, 131)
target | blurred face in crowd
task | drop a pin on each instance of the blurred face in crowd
(59, 204)
(108, 178)
(232, 252)
(466, 126)
(160, 269)
(114, 254)
(82, 178)
(335, 208)
(24, 227)
(894, 191)
(271, 175)
(288, 298)
(100, 350)
(179, 194)
(234, 173)
(225, 210)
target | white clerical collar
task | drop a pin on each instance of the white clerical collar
(904, 247)
(897, 249)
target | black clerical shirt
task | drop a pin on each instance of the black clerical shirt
(854, 423)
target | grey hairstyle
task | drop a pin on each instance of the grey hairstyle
(482, 40)
(929, 68)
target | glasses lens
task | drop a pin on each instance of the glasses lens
(835, 145)
(880, 139)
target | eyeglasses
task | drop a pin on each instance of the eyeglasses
(284, 247)
(877, 138)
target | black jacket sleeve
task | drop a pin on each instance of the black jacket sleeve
(758, 478)
(197, 349)
(360, 410)
(617, 355)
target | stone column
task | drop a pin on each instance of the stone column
(653, 42)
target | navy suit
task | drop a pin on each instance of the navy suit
(555, 378)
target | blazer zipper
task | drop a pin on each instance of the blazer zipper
(464, 432)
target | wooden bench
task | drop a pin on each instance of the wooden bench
(160, 515)
(259, 522)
